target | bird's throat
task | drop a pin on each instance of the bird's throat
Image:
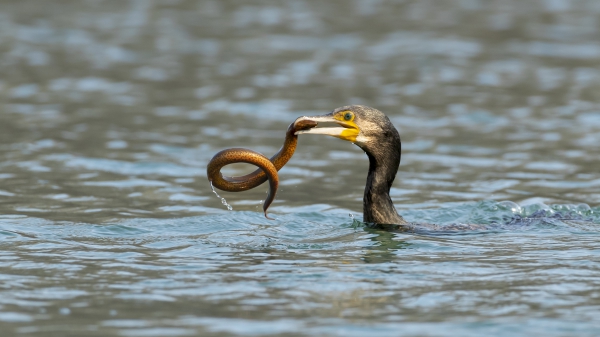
(378, 207)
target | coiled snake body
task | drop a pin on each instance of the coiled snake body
(267, 168)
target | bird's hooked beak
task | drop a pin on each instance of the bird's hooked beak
(347, 130)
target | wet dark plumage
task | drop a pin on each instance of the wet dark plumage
(381, 142)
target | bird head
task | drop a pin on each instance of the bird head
(361, 125)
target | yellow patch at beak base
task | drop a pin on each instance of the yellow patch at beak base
(349, 133)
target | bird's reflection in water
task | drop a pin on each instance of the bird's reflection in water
(385, 245)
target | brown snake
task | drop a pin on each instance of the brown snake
(267, 167)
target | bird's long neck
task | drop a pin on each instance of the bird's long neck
(383, 164)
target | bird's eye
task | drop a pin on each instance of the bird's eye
(348, 116)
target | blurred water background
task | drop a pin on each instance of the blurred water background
(110, 111)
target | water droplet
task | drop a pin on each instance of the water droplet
(584, 207)
(223, 201)
(509, 205)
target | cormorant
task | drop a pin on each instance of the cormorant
(375, 134)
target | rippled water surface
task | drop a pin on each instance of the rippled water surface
(110, 111)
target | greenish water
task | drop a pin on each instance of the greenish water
(110, 111)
